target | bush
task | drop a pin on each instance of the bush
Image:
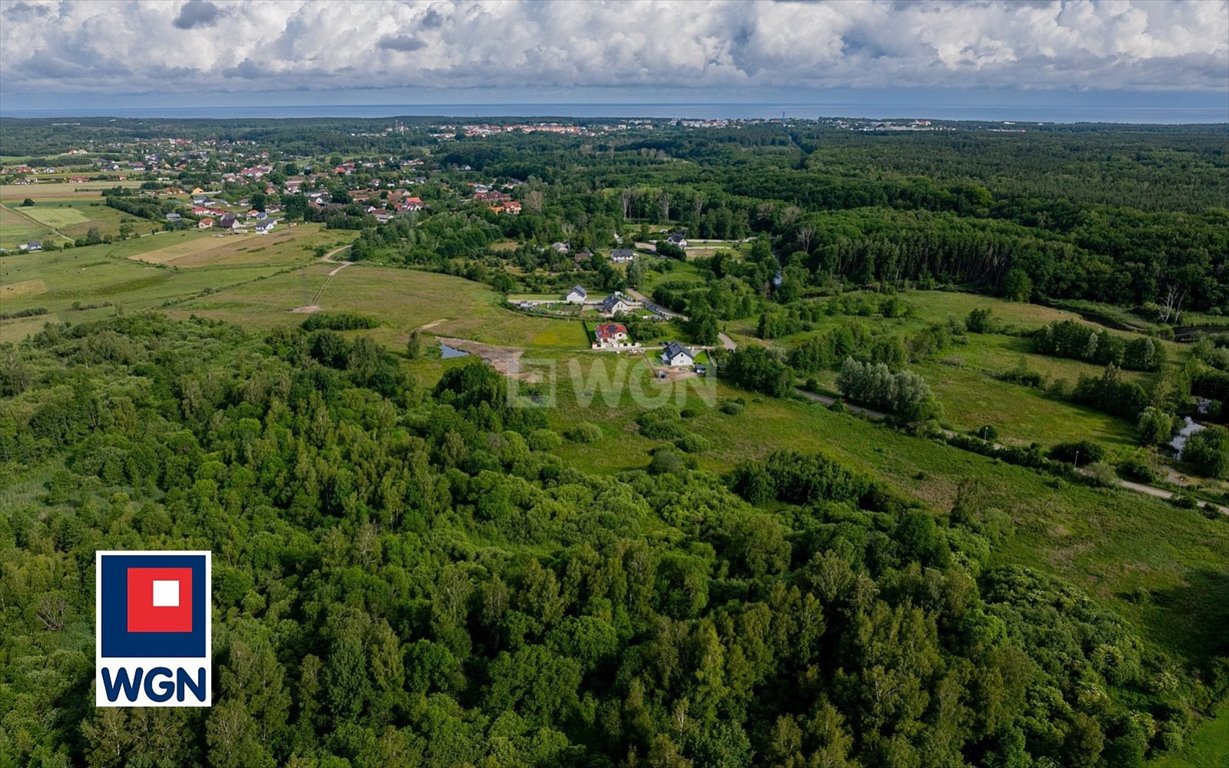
(1083, 453)
(1137, 467)
(661, 424)
(544, 440)
(1101, 474)
(667, 461)
(584, 432)
(1208, 451)
(732, 407)
(988, 432)
(693, 443)
(1154, 426)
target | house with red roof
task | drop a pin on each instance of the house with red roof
(610, 336)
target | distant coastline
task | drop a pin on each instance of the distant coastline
(1129, 114)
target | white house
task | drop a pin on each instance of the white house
(617, 302)
(676, 355)
(622, 255)
(576, 296)
(266, 226)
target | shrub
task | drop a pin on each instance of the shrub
(584, 432)
(988, 432)
(1154, 426)
(1083, 453)
(1137, 467)
(732, 407)
(693, 443)
(1208, 451)
(544, 440)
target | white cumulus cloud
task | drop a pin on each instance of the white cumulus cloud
(132, 46)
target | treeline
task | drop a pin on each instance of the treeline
(1068, 338)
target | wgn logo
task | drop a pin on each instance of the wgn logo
(153, 629)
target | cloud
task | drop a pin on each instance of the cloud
(197, 13)
(401, 43)
(64, 46)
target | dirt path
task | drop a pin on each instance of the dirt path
(328, 258)
(727, 342)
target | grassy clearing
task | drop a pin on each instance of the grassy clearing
(285, 247)
(404, 299)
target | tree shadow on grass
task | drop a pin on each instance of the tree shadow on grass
(1192, 619)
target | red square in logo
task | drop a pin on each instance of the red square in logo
(159, 599)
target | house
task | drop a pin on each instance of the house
(172, 216)
(382, 216)
(622, 255)
(204, 223)
(266, 226)
(676, 355)
(200, 200)
(228, 221)
(512, 208)
(31, 246)
(609, 335)
(560, 247)
(676, 238)
(576, 296)
(617, 302)
(412, 204)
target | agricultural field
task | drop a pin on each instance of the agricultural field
(17, 228)
(90, 282)
(86, 190)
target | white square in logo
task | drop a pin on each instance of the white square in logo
(166, 594)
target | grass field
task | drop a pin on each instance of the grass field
(56, 217)
(114, 276)
(16, 229)
(404, 299)
(87, 190)
(1207, 747)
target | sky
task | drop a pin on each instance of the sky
(58, 54)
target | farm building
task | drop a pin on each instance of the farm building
(577, 295)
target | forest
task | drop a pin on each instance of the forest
(406, 576)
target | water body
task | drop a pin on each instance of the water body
(1189, 428)
(447, 352)
(1020, 113)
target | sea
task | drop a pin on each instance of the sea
(1031, 113)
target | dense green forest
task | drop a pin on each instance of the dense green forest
(406, 576)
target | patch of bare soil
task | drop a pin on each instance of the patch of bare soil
(506, 360)
(306, 310)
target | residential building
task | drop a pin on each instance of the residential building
(676, 355)
(576, 296)
(611, 335)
